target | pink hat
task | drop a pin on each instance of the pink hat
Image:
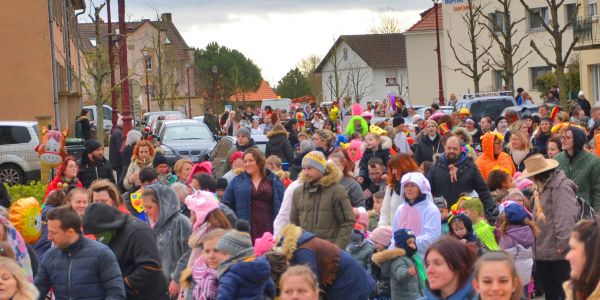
(522, 183)
(198, 168)
(362, 218)
(201, 203)
(263, 244)
(382, 235)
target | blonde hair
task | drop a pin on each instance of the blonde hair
(109, 187)
(25, 289)
(522, 137)
(274, 160)
(301, 271)
(180, 163)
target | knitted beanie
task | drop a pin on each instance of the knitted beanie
(401, 236)
(315, 159)
(91, 145)
(237, 241)
(382, 235)
(244, 131)
(158, 160)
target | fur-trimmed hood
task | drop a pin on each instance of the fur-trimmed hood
(465, 133)
(387, 255)
(386, 143)
(273, 133)
(332, 175)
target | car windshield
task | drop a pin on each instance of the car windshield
(187, 132)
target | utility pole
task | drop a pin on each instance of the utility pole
(123, 78)
(436, 5)
(187, 69)
(111, 62)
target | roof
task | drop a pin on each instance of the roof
(377, 50)
(427, 22)
(264, 92)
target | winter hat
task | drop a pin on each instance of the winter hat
(382, 235)
(263, 244)
(515, 213)
(237, 242)
(235, 155)
(440, 202)
(244, 131)
(315, 159)
(201, 203)
(198, 168)
(418, 179)
(470, 121)
(522, 183)
(158, 160)
(401, 236)
(580, 94)
(222, 183)
(398, 120)
(91, 145)
(307, 146)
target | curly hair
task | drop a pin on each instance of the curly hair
(142, 143)
(497, 180)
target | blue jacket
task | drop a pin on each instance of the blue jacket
(86, 270)
(249, 279)
(465, 293)
(238, 193)
(43, 244)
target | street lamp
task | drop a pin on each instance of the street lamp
(145, 52)
(187, 70)
(214, 71)
(436, 4)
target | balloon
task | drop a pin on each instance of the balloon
(52, 149)
(26, 215)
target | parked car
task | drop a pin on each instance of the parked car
(218, 156)
(531, 108)
(485, 106)
(185, 139)
(447, 110)
(93, 115)
(150, 119)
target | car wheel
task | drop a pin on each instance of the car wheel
(11, 174)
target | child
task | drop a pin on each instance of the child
(373, 148)
(499, 183)
(355, 152)
(376, 211)
(236, 160)
(402, 266)
(484, 231)
(442, 205)
(221, 187)
(241, 275)
(273, 163)
(256, 130)
(380, 238)
(360, 248)
(494, 266)
(299, 280)
(461, 228)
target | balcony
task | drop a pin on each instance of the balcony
(587, 29)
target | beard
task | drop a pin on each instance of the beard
(452, 158)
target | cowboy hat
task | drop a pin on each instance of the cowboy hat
(537, 164)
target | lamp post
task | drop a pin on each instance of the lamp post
(125, 101)
(436, 4)
(214, 72)
(145, 52)
(187, 70)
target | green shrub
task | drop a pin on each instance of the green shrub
(34, 189)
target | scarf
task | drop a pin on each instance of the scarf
(518, 155)
(206, 281)
(226, 264)
(194, 240)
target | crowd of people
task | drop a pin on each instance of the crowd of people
(442, 207)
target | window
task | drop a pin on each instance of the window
(90, 114)
(345, 54)
(167, 41)
(595, 83)
(537, 17)
(148, 60)
(186, 133)
(107, 114)
(498, 22)
(592, 8)
(14, 135)
(571, 11)
(93, 42)
(498, 81)
(536, 72)
(391, 77)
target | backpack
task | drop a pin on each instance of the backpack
(586, 211)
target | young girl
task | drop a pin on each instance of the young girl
(273, 163)
(499, 183)
(299, 282)
(201, 278)
(496, 277)
(380, 239)
(373, 148)
(461, 228)
(355, 152)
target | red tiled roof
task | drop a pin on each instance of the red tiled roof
(427, 21)
(264, 92)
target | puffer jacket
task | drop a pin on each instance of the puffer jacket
(355, 192)
(518, 241)
(487, 162)
(279, 145)
(465, 292)
(85, 270)
(584, 170)
(382, 152)
(362, 252)
(395, 266)
(172, 230)
(249, 279)
(425, 148)
(323, 208)
(90, 171)
(560, 209)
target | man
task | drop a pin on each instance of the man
(455, 174)
(580, 166)
(493, 157)
(93, 165)
(584, 103)
(267, 125)
(134, 244)
(377, 180)
(519, 96)
(114, 152)
(211, 121)
(400, 138)
(595, 112)
(321, 205)
(77, 268)
(544, 111)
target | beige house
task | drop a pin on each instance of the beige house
(587, 28)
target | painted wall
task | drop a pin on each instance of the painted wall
(422, 67)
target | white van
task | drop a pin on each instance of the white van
(282, 103)
(92, 113)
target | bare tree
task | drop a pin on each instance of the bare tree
(556, 41)
(388, 24)
(307, 67)
(403, 82)
(358, 81)
(336, 84)
(472, 67)
(167, 70)
(504, 32)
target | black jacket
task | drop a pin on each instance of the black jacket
(135, 247)
(279, 145)
(114, 154)
(213, 123)
(4, 197)
(425, 148)
(296, 166)
(90, 171)
(540, 144)
(585, 105)
(86, 127)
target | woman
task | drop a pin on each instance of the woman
(143, 154)
(66, 177)
(77, 199)
(496, 277)
(398, 165)
(473, 131)
(106, 192)
(417, 211)
(501, 125)
(519, 149)
(553, 147)
(182, 169)
(449, 265)
(9, 234)
(324, 141)
(555, 213)
(13, 282)
(429, 143)
(541, 137)
(85, 125)
(584, 258)
(279, 144)
(255, 195)
(299, 283)
(172, 229)
(232, 125)
(353, 189)
(133, 136)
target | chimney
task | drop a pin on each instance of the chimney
(166, 17)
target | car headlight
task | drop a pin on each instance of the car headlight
(168, 152)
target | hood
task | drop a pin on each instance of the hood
(419, 179)
(579, 139)
(279, 133)
(168, 204)
(487, 145)
(289, 238)
(386, 142)
(254, 270)
(466, 221)
(461, 159)
(100, 217)
(463, 131)
(521, 235)
(332, 175)
(387, 255)
(83, 118)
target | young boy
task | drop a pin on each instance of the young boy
(376, 211)
(484, 231)
(442, 205)
(221, 187)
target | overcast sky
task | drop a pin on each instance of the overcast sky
(275, 34)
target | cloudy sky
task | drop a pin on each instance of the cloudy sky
(275, 34)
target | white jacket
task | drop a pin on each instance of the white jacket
(283, 217)
(391, 201)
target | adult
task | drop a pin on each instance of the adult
(86, 126)
(321, 204)
(584, 256)
(342, 161)
(106, 192)
(555, 214)
(340, 276)
(417, 211)
(473, 131)
(211, 121)
(544, 110)
(454, 174)
(580, 166)
(496, 277)
(134, 245)
(501, 125)
(449, 265)
(554, 147)
(398, 165)
(324, 141)
(232, 125)
(172, 229)
(279, 144)
(292, 128)
(114, 149)
(182, 169)
(485, 124)
(428, 144)
(133, 136)
(14, 283)
(244, 141)
(266, 126)
(77, 200)
(519, 96)
(519, 149)
(376, 182)
(541, 136)
(400, 140)
(93, 165)
(595, 112)
(77, 268)
(296, 165)
(552, 98)
(143, 154)
(584, 103)
(66, 177)
(493, 157)
(255, 195)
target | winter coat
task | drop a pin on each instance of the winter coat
(213, 123)
(585, 105)
(323, 208)
(114, 146)
(239, 191)
(468, 179)
(126, 157)
(540, 143)
(362, 253)
(172, 230)
(518, 241)
(296, 166)
(249, 279)
(465, 292)
(86, 269)
(42, 245)
(395, 266)
(391, 201)
(401, 143)
(279, 145)
(86, 127)
(53, 185)
(584, 170)
(135, 167)
(382, 152)
(569, 291)
(426, 148)
(90, 171)
(251, 144)
(355, 192)
(488, 162)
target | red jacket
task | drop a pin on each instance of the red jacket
(53, 185)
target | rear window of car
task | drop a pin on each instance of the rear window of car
(187, 132)
(492, 108)
(14, 135)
